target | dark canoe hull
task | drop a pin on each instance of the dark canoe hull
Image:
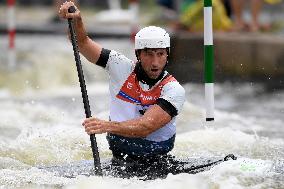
(146, 170)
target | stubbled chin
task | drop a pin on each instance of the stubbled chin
(154, 75)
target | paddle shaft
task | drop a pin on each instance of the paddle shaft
(97, 164)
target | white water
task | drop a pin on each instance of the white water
(41, 113)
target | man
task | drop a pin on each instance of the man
(145, 98)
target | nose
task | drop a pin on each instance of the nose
(155, 60)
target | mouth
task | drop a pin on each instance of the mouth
(154, 70)
(154, 73)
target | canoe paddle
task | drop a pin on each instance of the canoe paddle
(97, 164)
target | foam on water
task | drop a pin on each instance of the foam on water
(232, 174)
(61, 140)
(41, 113)
(43, 135)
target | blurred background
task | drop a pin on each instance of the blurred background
(244, 35)
(40, 101)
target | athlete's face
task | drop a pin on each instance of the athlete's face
(153, 61)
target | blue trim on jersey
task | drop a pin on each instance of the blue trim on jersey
(139, 146)
(124, 95)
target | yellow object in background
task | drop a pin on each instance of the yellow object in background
(273, 1)
(192, 17)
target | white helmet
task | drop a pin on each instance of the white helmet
(152, 37)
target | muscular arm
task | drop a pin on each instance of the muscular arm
(87, 47)
(153, 119)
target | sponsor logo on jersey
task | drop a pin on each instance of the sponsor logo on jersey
(132, 92)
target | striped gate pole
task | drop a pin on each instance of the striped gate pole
(134, 8)
(208, 60)
(11, 33)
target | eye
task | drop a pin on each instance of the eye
(160, 54)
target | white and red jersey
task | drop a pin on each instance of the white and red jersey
(130, 97)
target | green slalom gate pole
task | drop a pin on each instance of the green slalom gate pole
(208, 60)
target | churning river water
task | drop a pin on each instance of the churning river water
(41, 112)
